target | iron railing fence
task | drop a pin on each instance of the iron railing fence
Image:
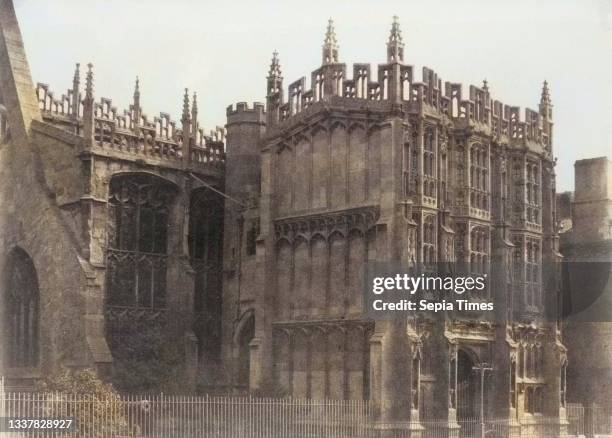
(153, 416)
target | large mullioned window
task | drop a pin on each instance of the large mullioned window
(479, 177)
(430, 170)
(205, 252)
(137, 246)
(533, 193)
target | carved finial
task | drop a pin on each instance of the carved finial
(186, 105)
(76, 94)
(194, 114)
(77, 76)
(89, 82)
(136, 104)
(485, 86)
(275, 68)
(395, 45)
(137, 89)
(275, 77)
(545, 93)
(330, 45)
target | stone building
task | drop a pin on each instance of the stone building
(245, 260)
(586, 244)
(112, 230)
(375, 165)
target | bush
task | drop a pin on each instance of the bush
(100, 407)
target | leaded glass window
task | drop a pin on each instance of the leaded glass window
(139, 207)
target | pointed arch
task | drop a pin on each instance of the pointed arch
(337, 124)
(21, 311)
(244, 334)
(318, 128)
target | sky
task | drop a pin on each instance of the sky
(222, 51)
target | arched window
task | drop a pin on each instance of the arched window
(137, 241)
(21, 311)
(205, 252)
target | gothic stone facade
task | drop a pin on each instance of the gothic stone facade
(356, 169)
(111, 238)
(115, 221)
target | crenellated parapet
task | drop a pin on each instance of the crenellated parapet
(242, 113)
(131, 131)
(394, 85)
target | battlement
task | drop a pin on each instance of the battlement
(242, 113)
(394, 82)
(131, 130)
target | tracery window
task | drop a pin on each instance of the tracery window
(429, 163)
(534, 400)
(21, 311)
(205, 252)
(429, 241)
(139, 207)
(479, 177)
(532, 187)
(479, 244)
(532, 273)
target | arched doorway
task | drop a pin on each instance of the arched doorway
(466, 387)
(245, 334)
(21, 311)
